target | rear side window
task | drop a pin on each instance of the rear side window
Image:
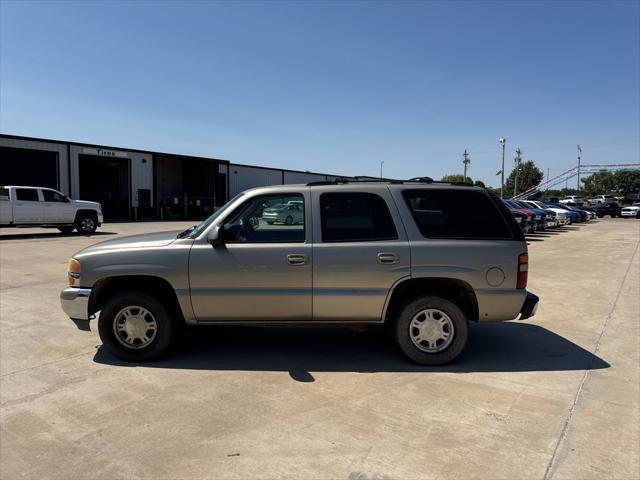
(4, 194)
(456, 213)
(27, 194)
(355, 217)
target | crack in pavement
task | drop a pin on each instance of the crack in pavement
(553, 462)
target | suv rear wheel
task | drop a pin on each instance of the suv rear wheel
(431, 330)
(135, 327)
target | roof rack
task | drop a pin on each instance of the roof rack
(362, 179)
(343, 181)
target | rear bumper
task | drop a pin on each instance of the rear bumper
(529, 307)
(75, 303)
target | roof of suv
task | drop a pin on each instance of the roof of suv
(365, 184)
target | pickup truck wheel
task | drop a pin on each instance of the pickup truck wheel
(66, 229)
(86, 224)
(135, 327)
(432, 331)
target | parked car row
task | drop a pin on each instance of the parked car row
(535, 215)
(597, 200)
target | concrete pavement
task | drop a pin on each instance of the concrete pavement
(556, 396)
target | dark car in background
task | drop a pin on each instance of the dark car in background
(631, 198)
(611, 209)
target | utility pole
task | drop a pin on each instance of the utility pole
(518, 159)
(579, 156)
(466, 160)
(548, 178)
(381, 163)
(503, 142)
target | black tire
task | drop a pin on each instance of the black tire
(270, 222)
(599, 215)
(453, 349)
(163, 335)
(86, 223)
(66, 229)
(288, 220)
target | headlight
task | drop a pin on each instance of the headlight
(73, 271)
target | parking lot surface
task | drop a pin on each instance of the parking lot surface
(556, 396)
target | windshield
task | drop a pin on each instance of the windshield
(198, 229)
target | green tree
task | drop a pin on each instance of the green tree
(456, 178)
(616, 183)
(479, 183)
(528, 176)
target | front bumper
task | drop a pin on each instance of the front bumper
(75, 303)
(530, 306)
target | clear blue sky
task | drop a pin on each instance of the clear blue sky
(330, 86)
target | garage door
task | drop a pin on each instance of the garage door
(23, 166)
(106, 180)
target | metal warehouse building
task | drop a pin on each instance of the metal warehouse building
(132, 183)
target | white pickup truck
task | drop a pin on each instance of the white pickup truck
(45, 207)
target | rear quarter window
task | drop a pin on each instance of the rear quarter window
(27, 194)
(456, 213)
(355, 217)
(4, 194)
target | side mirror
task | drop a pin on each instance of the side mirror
(216, 236)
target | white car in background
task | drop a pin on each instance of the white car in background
(48, 208)
(631, 211)
(601, 199)
(562, 216)
(572, 201)
(290, 213)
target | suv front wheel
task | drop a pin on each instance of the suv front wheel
(135, 327)
(431, 330)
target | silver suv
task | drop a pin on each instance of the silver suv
(423, 257)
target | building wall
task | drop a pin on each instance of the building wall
(242, 177)
(59, 148)
(299, 177)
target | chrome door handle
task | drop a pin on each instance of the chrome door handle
(387, 257)
(296, 259)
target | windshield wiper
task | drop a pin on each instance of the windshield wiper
(186, 232)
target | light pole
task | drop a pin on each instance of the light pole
(503, 142)
(466, 160)
(579, 155)
(381, 163)
(518, 159)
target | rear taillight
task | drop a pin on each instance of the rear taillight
(523, 270)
